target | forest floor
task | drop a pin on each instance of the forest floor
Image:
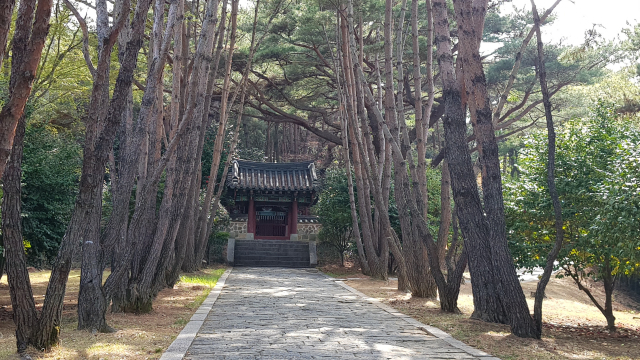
(138, 337)
(573, 327)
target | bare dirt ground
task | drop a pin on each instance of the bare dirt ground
(138, 337)
(573, 326)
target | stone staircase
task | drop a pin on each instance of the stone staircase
(275, 253)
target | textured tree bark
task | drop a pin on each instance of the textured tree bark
(377, 256)
(487, 304)
(141, 286)
(242, 89)
(445, 211)
(22, 302)
(45, 331)
(6, 12)
(362, 256)
(114, 237)
(470, 19)
(91, 296)
(32, 27)
(188, 157)
(417, 88)
(94, 298)
(208, 210)
(551, 179)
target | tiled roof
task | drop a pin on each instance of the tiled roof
(251, 175)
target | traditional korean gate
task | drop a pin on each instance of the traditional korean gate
(271, 224)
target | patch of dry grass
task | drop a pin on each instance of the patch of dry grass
(574, 328)
(138, 336)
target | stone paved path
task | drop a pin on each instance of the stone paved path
(271, 313)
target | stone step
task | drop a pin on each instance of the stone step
(288, 264)
(271, 247)
(257, 256)
(273, 253)
(260, 257)
(265, 241)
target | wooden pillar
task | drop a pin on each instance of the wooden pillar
(251, 218)
(293, 231)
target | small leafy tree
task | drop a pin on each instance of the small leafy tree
(598, 180)
(334, 212)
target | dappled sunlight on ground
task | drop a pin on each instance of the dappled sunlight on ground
(574, 328)
(138, 337)
(297, 314)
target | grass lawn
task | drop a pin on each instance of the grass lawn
(573, 329)
(138, 336)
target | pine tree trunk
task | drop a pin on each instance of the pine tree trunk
(487, 304)
(6, 13)
(22, 302)
(551, 180)
(469, 19)
(32, 27)
(93, 298)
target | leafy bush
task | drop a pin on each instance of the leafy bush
(334, 211)
(598, 180)
(50, 174)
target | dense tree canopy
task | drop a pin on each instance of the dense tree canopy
(119, 127)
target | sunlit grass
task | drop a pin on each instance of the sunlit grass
(208, 277)
(108, 349)
(198, 300)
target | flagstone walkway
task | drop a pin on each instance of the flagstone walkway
(273, 313)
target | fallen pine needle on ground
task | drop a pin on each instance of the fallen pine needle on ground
(573, 327)
(138, 337)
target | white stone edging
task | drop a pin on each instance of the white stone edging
(178, 348)
(427, 328)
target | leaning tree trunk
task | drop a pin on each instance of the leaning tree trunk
(511, 295)
(208, 211)
(376, 255)
(487, 304)
(146, 290)
(22, 302)
(92, 302)
(32, 27)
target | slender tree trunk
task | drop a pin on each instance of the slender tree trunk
(144, 285)
(417, 88)
(22, 302)
(551, 179)
(362, 256)
(445, 211)
(609, 286)
(375, 257)
(205, 214)
(6, 12)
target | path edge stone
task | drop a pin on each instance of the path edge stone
(427, 328)
(178, 348)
